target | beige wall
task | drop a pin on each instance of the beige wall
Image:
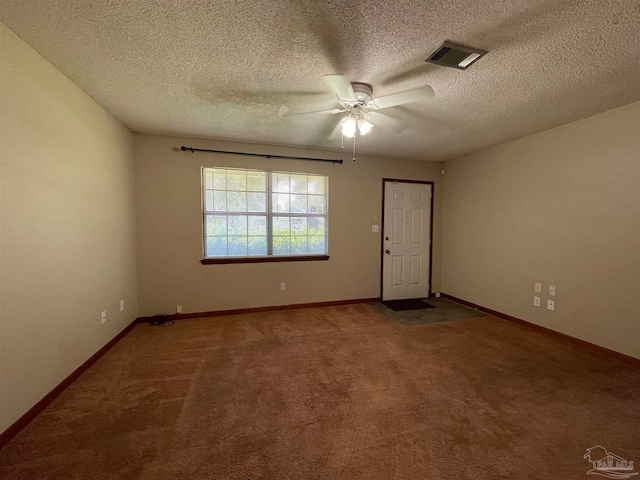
(67, 227)
(170, 231)
(561, 207)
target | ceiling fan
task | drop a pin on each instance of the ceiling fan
(363, 109)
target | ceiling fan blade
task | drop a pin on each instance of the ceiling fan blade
(326, 127)
(340, 85)
(387, 121)
(210, 93)
(412, 117)
(408, 96)
(336, 133)
(331, 111)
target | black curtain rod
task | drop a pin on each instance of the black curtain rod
(285, 157)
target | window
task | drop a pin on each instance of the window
(251, 213)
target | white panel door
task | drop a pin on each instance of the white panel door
(406, 242)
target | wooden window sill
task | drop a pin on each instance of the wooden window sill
(301, 258)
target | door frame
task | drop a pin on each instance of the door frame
(433, 186)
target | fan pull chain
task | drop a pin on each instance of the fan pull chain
(342, 146)
(354, 147)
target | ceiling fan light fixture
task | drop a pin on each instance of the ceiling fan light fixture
(364, 126)
(349, 127)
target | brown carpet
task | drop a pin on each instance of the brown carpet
(333, 393)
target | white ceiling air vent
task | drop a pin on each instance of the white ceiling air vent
(453, 55)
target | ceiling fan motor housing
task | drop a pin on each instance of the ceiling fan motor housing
(364, 94)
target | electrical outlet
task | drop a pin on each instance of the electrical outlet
(552, 290)
(104, 317)
(551, 305)
(536, 301)
(283, 286)
(538, 287)
(375, 228)
(178, 308)
(438, 295)
(122, 305)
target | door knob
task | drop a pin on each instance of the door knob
(387, 252)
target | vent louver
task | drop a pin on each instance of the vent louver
(450, 54)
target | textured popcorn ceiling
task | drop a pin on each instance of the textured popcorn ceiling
(224, 69)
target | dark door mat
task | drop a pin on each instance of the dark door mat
(408, 304)
(444, 311)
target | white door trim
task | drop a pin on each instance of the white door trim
(382, 236)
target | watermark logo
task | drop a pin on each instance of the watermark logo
(607, 464)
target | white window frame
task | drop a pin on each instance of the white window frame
(269, 215)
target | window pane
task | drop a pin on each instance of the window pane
(237, 219)
(316, 204)
(237, 246)
(316, 225)
(237, 180)
(257, 245)
(316, 185)
(299, 244)
(237, 225)
(257, 181)
(281, 245)
(236, 202)
(298, 204)
(216, 225)
(208, 178)
(316, 244)
(280, 182)
(219, 179)
(281, 226)
(216, 247)
(220, 201)
(208, 201)
(258, 226)
(280, 203)
(298, 184)
(256, 202)
(298, 226)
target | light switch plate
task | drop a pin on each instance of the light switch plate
(375, 228)
(536, 301)
(538, 287)
(551, 305)
(552, 290)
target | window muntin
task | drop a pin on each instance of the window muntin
(252, 213)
